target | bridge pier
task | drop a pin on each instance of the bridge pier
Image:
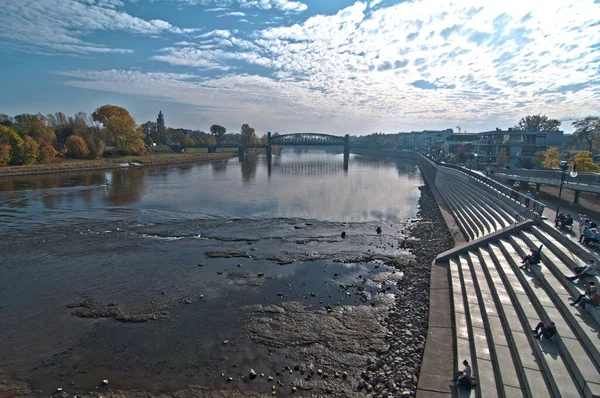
(242, 154)
(346, 151)
(576, 197)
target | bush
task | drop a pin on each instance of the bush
(30, 150)
(4, 154)
(161, 149)
(76, 147)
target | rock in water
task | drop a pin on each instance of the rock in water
(378, 230)
(104, 382)
(343, 234)
(252, 374)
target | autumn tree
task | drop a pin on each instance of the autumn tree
(76, 147)
(551, 158)
(588, 130)
(35, 126)
(248, 135)
(46, 152)
(584, 162)
(218, 132)
(120, 128)
(30, 150)
(538, 158)
(93, 139)
(502, 156)
(4, 154)
(537, 123)
(10, 138)
(182, 139)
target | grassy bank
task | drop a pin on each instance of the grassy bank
(109, 163)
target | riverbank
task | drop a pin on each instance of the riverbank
(113, 163)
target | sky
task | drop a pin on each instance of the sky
(329, 66)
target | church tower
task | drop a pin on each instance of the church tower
(160, 129)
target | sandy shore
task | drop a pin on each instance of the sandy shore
(83, 165)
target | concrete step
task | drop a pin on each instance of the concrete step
(505, 368)
(465, 226)
(462, 336)
(462, 224)
(482, 360)
(538, 306)
(529, 374)
(581, 352)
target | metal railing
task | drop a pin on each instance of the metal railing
(533, 209)
(549, 175)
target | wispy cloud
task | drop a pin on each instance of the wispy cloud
(59, 25)
(280, 5)
(233, 14)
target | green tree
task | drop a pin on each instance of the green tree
(30, 150)
(588, 130)
(248, 135)
(584, 162)
(502, 156)
(537, 123)
(538, 158)
(551, 158)
(35, 126)
(10, 138)
(218, 132)
(76, 147)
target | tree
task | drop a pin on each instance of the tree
(30, 150)
(551, 158)
(588, 130)
(218, 132)
(248, 135)
(182, 139)
(120, 128)
(46, 152)
(502, 156)
(92, 137)
(4, 154)
(76, 147)
(537, 123)
(35, 126)
(10, 138)
(538, 158)
(584, 162)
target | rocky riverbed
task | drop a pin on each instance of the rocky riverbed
(360, 332)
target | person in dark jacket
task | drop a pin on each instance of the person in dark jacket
(532, 259)
(546, 331)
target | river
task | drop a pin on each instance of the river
(201, 248)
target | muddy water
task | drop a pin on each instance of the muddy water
(208, 249)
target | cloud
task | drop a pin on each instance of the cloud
(355, 68)
(279, 5)
(233, 14)
(58, 25)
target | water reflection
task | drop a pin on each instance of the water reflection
(304, 183)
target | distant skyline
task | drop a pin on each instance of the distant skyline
(330, 66)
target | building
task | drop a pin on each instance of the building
(423, 140)
(461, 142)
(189, 133)
(160, 132)
(520, 146)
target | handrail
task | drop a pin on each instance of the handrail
(537, 208)
(553, 175)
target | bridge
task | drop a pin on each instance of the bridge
(584, 182)
(303, 139)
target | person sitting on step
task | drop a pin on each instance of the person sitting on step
(594, 238)
(532, 259)
(594, 299)
(587, 233)
(589, 269)
(591, 289)
(462, 378)
(568, 223)
(546, 331)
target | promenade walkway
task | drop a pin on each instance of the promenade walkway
(492, 304)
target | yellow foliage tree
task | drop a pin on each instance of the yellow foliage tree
(584, 162)
(538, 158)
(551, 158)
(30, 150)
(502, 156)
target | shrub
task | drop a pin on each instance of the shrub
(76, 147)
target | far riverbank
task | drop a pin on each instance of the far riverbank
(113, 163)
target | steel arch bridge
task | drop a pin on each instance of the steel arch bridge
(308, 139)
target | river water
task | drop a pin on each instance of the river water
(195, 244)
